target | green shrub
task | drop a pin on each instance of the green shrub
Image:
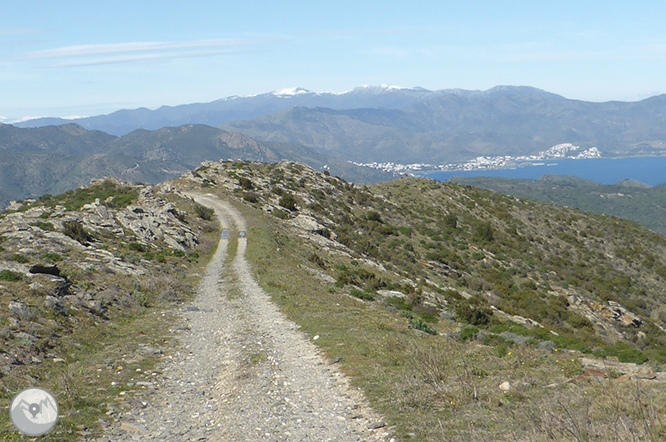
(398, 302)
(8, 275)
(472, 313)
(137, 247)
(203, 212)
(484, 233)
(251, 197)
(17, 257)
(365, 295)
(118, 196)
(451, 221)
(624, 353)
(468, 332)
(52, 256)
(75, 230)
(420, 324)
(374, 216)
(280, 214)
(44, 225)
(288, 201)
(245, 183)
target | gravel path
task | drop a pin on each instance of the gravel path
(243, 372)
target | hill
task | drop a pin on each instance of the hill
(434, 295)
(460, 313)
(55, 159)
(626, 199)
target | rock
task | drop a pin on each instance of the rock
(150, 350)
(308, 223)
(23, 336)
(47, 270)
(516, 339)
(546, 345)
(505, 386)
(19, 309)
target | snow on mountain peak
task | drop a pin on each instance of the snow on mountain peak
(290, 92)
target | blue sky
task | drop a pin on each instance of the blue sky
(66, 58)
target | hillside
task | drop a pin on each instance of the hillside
(461, 314)
(90, 281)
(54, 159)
(434, 295)
(454, 126)
(629, 200)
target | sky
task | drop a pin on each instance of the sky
(81, 58)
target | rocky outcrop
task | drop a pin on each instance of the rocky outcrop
(604, 315)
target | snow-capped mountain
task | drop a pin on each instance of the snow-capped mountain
(235, 108)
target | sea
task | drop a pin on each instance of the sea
(648, 170)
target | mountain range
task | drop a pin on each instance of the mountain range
(233, 108)
(413, 125)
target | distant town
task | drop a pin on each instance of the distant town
(559, 152)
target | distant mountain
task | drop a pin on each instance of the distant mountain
(240, 108)
(414, 125)
(626, 199)
(454, 125)
(36, 161)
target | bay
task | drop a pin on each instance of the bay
(648, 170)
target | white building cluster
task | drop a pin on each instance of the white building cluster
(560, 151)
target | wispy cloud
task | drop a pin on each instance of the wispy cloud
(132, 52)
(144, 58)
(22, 31)
(363, 32)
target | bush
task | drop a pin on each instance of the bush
(288, 202)
(52, 257)
(473, 313)
(420, 324)
(75, 230)
(468, 332)
(245, 183)
(251, 197)
(203, 212)
(280, 214)
(484, 232)
(137, 247)
(44, 225)
(8, 275)
(451, 221)
(374, 216)
(17, 257)
(365, 295)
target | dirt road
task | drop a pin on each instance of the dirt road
(243, 372)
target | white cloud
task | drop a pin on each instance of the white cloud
(142, 58)
(22, 31)
(132, 52)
